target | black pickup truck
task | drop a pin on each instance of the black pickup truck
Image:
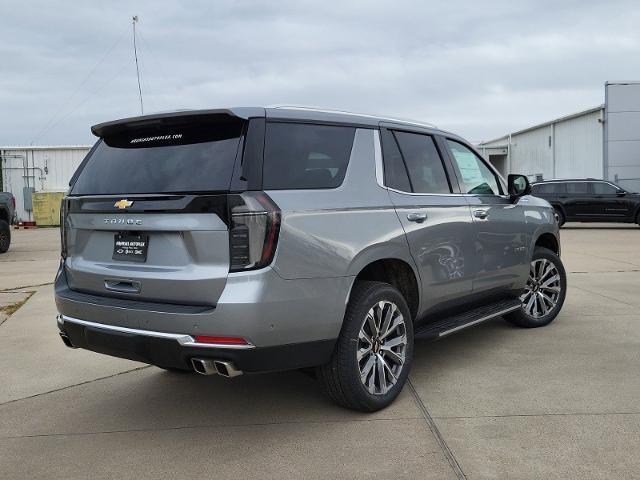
(7, 211)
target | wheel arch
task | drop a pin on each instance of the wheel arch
(548, 240)
(398, 273)
(4, 215)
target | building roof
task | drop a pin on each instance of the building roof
(545, 124)
(45, 147)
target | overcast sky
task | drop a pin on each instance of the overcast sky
(480, 69)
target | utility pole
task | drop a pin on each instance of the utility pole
(135, 53)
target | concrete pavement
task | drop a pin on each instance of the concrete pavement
(491, 402)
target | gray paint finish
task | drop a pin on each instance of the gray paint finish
(327, 237)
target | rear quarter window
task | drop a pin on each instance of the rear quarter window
(305, 156)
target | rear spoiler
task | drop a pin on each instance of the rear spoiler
(106, 129)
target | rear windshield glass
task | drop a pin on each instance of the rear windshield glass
(305, 156)
(178, 159)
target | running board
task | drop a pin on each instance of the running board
(447, 325)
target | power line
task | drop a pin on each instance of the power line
(135, 52)
(62, 111)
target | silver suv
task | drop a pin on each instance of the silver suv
(250, 240)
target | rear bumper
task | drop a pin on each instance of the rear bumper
(172, 350)
(259, 306)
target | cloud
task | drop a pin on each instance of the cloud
(480, 69)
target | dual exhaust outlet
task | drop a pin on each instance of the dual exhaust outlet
(206, 366)
(203, 366)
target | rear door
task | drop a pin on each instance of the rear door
(501, 256)
(435, 218)
(147, 211)
(578, 201)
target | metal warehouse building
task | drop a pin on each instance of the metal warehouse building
(37, 169)
(602, 142)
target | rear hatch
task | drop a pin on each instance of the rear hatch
(147, 213)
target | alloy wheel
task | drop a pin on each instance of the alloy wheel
(543, 288)
(382, 347)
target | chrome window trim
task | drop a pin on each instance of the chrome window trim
(377, 155)
(183, 339)
(377, 151)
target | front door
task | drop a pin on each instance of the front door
(437, 221)
(611, 203)
(501, 253)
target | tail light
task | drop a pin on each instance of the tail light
(253, 230)
(13, 202)
(63, 228)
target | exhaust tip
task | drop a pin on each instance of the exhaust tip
(204, 366)
(227, 369)
(66, 340)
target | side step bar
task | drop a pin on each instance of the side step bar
(447, 325)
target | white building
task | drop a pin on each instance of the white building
(602, 142)
(39, 169)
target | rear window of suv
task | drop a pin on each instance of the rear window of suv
(178, 159)
(305, 156)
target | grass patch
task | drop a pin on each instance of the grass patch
(14, 307)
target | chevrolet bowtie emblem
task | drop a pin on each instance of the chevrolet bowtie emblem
(124, 203)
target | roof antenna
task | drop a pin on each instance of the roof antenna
(135, 53)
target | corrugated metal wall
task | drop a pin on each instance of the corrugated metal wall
(623, 134)
(531, 153)
(579, 147)
(570, 147)
(50, 169)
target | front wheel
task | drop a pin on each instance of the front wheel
(373, 353)
(544, 293)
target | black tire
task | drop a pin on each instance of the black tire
(523, 319)
(5, 236)
(561, 217)
(341, 378)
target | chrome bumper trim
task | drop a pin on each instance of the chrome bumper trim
(183, 339)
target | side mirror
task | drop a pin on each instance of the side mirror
(620, 192)
(518, 185)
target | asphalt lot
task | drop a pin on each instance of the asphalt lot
(494, 401)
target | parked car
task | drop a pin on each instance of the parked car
(7, 212)
(251, 240)
(589, 200)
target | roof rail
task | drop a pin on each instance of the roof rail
(344, 112)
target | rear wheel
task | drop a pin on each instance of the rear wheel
(5, 236)
(544, 293)
(373, 354)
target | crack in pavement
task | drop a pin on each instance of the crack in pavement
(453, 462)
(213, 426)
(605, 296)
(556, 414)
(74, 385)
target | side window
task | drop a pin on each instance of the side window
(577, 188)
(602, 188)
(395, 172)
(305, 156)
(477, 178)
(423, 162)
(548, 188)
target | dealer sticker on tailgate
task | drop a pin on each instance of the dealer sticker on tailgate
(132, 248)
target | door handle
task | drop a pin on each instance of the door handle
(482, 214)
(418, 217)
